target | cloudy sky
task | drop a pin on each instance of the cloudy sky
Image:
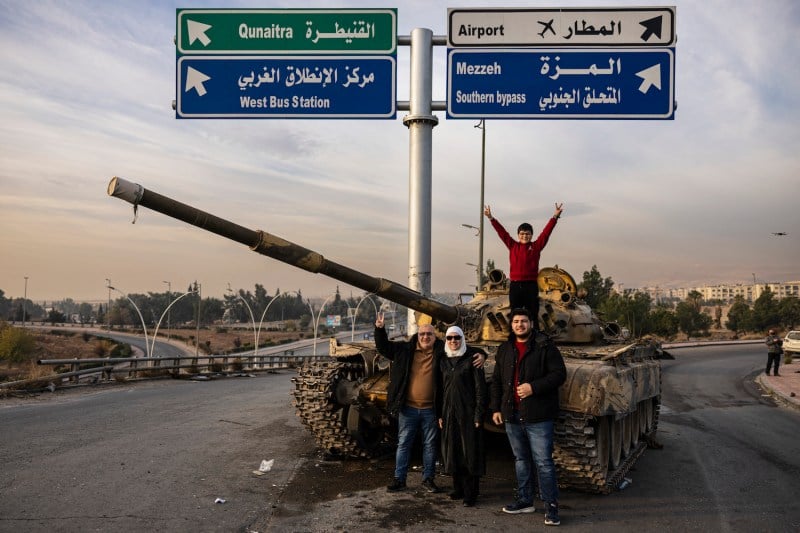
(86, 90)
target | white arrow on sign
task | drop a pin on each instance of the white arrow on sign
(650, 76)
(197, 30)
(194, 80)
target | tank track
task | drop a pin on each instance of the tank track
(315, 403)
(576, 454)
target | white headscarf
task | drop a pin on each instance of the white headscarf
(462, 349)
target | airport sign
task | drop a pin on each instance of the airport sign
(615, 83)
(556, 27)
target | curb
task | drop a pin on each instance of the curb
(780, 397)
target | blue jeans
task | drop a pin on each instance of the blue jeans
(409, 421)
(532, 444)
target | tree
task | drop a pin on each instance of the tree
(691, 320)
(789, 309)
(765, 312)
(85, 313)
(663, 321)
(597, 289)
(738, 315)
(55, 317)
(628, 310)
(5, 305)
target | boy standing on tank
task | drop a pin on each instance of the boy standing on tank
(523, 256)
(529, 370)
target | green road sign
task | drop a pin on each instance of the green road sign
(287, 31)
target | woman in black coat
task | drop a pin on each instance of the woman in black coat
(463, 401)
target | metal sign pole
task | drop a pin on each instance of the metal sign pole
(420, 122)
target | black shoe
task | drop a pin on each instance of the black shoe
(551, 514)
(519, 507)
(776, 374)
(430, 486)
(396, 485)
(469, 503)
(456, 495)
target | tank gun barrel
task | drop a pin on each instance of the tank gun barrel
(280, 249)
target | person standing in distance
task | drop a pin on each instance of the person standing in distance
(523, 395)
(774, 351)
(523, 256)
(412, 397)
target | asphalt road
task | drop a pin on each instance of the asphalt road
(156, 455)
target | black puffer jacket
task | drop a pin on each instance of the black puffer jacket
(542, 366)
(401, 353)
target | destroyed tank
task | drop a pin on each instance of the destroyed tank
(609, 402)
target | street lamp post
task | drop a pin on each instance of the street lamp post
(252, 318)
(355, 314)
(197, 287)
(482, 126)
(108, 307)
(479, 269)
(158, 325)
(316, 322)
(25, 303)
(169, 313)
(264, 315)
(144, 326)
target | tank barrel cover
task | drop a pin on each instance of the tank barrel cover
(280, 249)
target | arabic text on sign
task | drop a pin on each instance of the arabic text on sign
(293, 76)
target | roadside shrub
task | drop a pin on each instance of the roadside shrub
(16, 344)
(120, 350)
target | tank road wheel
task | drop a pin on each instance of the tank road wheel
(642, 411)
(648, 416)
(633, 419)
(656, 403)
(602, 434)
(626, 436)
(368, 438)
(615, 442)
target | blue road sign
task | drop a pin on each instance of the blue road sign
(286, 87)
(561, 83)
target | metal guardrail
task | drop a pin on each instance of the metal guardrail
(143, 367)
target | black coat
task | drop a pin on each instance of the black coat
(542, 366)
(401, 353)
(463, 403)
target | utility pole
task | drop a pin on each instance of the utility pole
(169, 301)
(197, 332)
(25, 303)
(108, 308)
(482, 126)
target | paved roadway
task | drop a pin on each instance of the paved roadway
(155, 456)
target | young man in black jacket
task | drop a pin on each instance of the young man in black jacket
(529, 370)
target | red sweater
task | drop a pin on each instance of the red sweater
(524, 259)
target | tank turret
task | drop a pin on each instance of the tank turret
(609, 403)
